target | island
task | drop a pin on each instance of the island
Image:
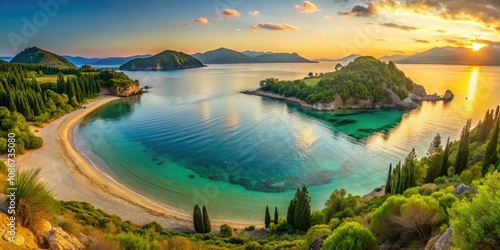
(166, 60)
(365, 83)
(41, 57)
(229, 56)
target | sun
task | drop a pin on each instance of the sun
(477, 46)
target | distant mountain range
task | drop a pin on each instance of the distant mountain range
(487, 56)
(37, 56)
(78, 60)
(165, 60)
(228, 56)
(394, 58)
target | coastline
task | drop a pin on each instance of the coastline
(70, 175)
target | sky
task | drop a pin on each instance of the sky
(314, 29)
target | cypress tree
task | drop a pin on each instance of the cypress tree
(490, 156)
(290, 212)
(388, 183)
(276, 215)
(302, 216)
(199, 227)
(206, 221)
(446, 156)
(267, 219)
(463, 149)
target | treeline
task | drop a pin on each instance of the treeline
(366, 78)
(39, 102)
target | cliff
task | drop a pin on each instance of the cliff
(128, 90)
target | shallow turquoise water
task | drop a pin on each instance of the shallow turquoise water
(194, 139)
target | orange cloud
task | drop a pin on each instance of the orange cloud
(397, 26)
(254, 13)
(328, 17)
(254, 29)
(228, 13)
(278, 27)
(202, 20)
(307, 7)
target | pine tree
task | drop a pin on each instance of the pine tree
(276, 216)
(434, 159)
(206, 221)
(199, 226)
(446, 156)
(302, 215)
(463, 149)
(267, 219)
(388, 183)
(490, 156)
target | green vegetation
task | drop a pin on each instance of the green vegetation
(226, 231)
(276, 216)
(199, 226)
(206, 221)
(366, 78)
(350, 236)
(302, 210)
(37, 56)
(463, 149)
(165, 60)
(13, 122)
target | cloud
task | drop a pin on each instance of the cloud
(442, 31)
(254, 13)
(228, 13)
(184, 23)
(361, 11)
(369, 24)
(202, 20)
(380, 40)
(397, 26)
(399, 51)
(278, 27)
(420, 41)
(307, 7)
(254, 29)
(456, 42)
(328, 17)
(483, 12)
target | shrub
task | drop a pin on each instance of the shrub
(351, 235)
(315, 232)
(226, 231)
(34, 200)
(250, 228)
(281, 227)
(317, 217)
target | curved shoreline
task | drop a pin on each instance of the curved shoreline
(71, 175)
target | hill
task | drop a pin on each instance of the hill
(223, 56)
(394, 58)
(228, 56)
(3, 62)
(436, 55)
(42, 57)
(79, 60)
(165, 60)
(365, 83)
(349, 58)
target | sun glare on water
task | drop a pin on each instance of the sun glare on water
(477, 46)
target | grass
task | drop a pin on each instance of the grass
(312, 81)
(50, 78)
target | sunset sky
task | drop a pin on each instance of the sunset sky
(314, 29)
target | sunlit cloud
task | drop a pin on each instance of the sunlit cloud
(381, 40)
(202, 20)
(361, 11)
(254, 13)
(307, 7)
(327, 17)
(254, 29)
(229, 13)
(278, 27)
(442, 31)
(397, 26)
(421, 41)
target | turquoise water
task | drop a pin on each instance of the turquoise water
(194, 139)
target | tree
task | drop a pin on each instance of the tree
(388, 182)
(206, 221)
(338, 66)
(276, 215)
(476, 222)
(199, 226)
(463, 149)
(340, 205)
(226, 231)
(267, 219)
(446, 156)
(434, 159)
(291, 209)
(302, 215)
(350, 236)
(490, 156)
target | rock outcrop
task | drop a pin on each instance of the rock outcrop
(441, 241)
(462, 189)
(448, 95)
(131, 89)
(60, 240)
(24, 237)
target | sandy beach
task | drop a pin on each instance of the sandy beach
(71, 176)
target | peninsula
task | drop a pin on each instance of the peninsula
(365, 83)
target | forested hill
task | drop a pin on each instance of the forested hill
(165, 60)
(37, 56)
(366, 83)
(2, 61)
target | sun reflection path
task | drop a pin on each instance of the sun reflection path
(474, 79)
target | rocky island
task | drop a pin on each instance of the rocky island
(365, 83)
(166, 60)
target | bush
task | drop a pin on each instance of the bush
(226, 231)
(250, 228)
(315, 232)
(351, 235)
(281, 227)
(317, 217)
